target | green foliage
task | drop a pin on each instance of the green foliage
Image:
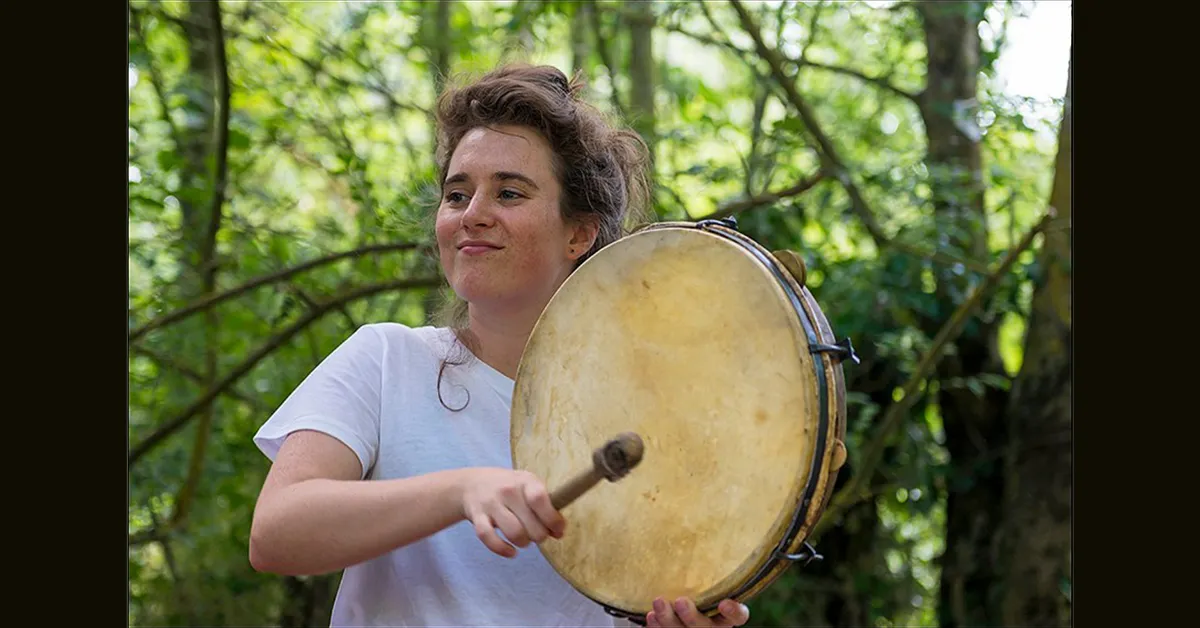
(330, 149)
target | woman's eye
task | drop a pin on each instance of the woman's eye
(456, 197)
(509, 195)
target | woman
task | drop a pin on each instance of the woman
(533, 182)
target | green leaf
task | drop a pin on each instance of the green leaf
(791, 124)
(238, 139)
(995, 381)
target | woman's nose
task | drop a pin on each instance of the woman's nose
(479, 211)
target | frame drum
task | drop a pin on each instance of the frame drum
(711, 349)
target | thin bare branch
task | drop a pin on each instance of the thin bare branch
(176, 423)
(371, 68)
(940, 256)
(878, 81)
(271, 278)
(751, 163)
(827, 150)
(872, 452)
(149, 535)
(311, 303)
(705, 39)
(731, 208)
(317, 69)
(192, 374)
(834, 165)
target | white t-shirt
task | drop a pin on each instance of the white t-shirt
(377, 393)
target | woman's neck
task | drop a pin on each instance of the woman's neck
(500, 338)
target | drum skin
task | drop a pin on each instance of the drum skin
(686, 338)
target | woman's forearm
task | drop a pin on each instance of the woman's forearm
(320, 525)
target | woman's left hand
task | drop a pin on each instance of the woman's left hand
(683, 613)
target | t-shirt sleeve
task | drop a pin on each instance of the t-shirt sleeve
(340, 397)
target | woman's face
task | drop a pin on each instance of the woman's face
(500, 232)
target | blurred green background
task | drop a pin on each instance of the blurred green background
(280, 163)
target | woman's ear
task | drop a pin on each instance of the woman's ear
(583, 236)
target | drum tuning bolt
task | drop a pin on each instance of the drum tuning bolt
(841, 351)
(806, 555)
(613, 461)
(729, 222)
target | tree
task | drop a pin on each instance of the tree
(1035, 541)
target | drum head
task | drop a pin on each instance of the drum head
(685, 338)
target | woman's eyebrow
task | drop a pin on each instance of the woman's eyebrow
(509, 176)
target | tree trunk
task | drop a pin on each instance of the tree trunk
(437, 44)
(203, 141)
(1036, 540)
(972, 415)
(641, 69)
(196, 138)
(579, 38)
(640, 18)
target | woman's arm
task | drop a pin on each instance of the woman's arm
(314, 515)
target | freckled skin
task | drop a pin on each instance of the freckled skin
(521, 217)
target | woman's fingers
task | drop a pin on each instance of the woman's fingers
(518, 508)
(538, 500)
(485, 529)
(732, 614)
(683, 613)
(532, 525)
(664, 615)
(688, 614)
(512, 526)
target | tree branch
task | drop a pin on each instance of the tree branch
(878, 81)
(317, 69)
(943, 257)
(834, 165)
(705, 39)
(176, 423)
(156, 82)
(148, 535)
(827, 150)
(271, 278)
(370, 67)
(855, 490)
(311, 303)
(734, 207)
(221, 131)
(193, 375)
(208, 252)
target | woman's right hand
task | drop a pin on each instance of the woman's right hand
(517, 503)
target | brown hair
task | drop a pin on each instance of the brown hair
(601, 167)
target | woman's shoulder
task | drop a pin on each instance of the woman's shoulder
(400, 339)
(400, 331)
